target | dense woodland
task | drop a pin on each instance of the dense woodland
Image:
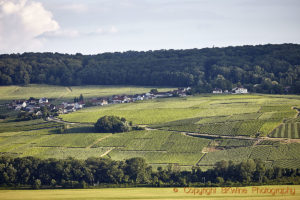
(262, 68)
(72, 173)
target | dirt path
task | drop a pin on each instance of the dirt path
(66, 122)
(99, 140)
(59, 120)
(211, 136)
(69, 89)
(256, 142)
(146, 151)
(204, 154)
(107, 152)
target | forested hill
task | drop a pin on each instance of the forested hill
(262, 68)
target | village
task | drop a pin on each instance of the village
(43, 107)
(236, 90)
(36, 108)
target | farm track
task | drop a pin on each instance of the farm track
(69, 89)
(97, 141)
(42, 128)
(65, 122)
(107, 152)
(197, 164)
(146, 151)
(256, 142)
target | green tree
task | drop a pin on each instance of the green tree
(137, 170)
(111, 124)
(26, 78)
(37, 184)
(81, 97)
(53, 183)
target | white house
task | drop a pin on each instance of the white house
(24, 104)
(239, 90)
(103, 102)
(78, 106)
(217, 91)
(21, 105)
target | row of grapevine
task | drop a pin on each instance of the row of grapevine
(269, 142)
(287, 130)
(235, 143)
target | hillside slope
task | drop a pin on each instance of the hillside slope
(262, 68)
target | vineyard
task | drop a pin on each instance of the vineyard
(283, 155)
(287, 130)
(27, 125)
(156, 147)
(243, 127)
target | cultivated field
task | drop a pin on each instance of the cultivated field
(189, 131)
(246, 115)
(50, 91)
(254, 192)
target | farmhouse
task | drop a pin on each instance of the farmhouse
(19, 104)
(102, 102)
(70, 108)
(239, 90)
(138, 97)
(78, 106)
(117, 99)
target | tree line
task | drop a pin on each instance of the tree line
(73, 173)
(262, 68)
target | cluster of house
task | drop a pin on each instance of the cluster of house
(34, 105)
(116, 99)
(236, 90)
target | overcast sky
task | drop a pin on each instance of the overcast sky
(97, 26)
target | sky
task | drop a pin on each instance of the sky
(98, 26)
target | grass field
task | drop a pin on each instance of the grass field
(254, 192)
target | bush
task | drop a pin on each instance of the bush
(111, 124)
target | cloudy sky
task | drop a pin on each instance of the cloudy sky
(97, 26)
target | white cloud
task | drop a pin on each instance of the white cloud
(77, 8)
(106, 30)
(72, 33)
(68, 33)
(21, 22)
